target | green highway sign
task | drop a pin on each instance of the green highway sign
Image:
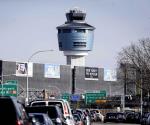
(92, 97)
(7, 89)
(66, 96)
(11, 81)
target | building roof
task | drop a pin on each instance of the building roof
(76, 25)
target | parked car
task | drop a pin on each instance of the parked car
(148, 120)
(62, 103)
(40, 119)
(133, 117)
(53, 112)
(120, 117)
(12, 112)
(145, 118)
(114, 117)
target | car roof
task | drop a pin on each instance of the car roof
(37, 114)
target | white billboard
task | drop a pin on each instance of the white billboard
(22, 68)
(52, 71)
(110, 75)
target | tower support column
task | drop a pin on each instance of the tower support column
(75, 60)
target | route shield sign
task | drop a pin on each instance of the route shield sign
(75, 97)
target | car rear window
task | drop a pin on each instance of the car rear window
(59, 104)
(51, 111)
(39, 104)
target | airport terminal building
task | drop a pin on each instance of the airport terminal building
(59, 79)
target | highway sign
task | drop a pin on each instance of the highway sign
(12, 81)
(75, 97)
(66, 96)
(92, 97)
(9, 89)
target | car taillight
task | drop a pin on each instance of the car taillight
(66, 110)
(19, 122)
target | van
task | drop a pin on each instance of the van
(63, 104)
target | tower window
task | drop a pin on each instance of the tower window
(66, 30)
(77, 18)
(79, 30)
(90, 30)
(59, 30)
(79, 44)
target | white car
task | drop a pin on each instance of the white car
(63, 104)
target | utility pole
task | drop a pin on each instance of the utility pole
(141, 91)
(73, 80)
(125, 82)
(124, 69)
(148, 100)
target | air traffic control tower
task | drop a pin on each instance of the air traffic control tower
(75, 37)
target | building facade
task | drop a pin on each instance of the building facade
(57, 79)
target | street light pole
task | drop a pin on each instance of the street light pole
(28, 61)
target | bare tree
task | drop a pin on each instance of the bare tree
(137, 55)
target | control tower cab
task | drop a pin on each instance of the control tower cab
(75, 38)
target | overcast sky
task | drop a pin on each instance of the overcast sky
(27, 26)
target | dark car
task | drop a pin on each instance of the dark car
(145, 118)
(40, 119)
(78, 120)
(114, 117)
(53, 112)
(133, 117)
(12, 112)
(148, 120)
(120, 117)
